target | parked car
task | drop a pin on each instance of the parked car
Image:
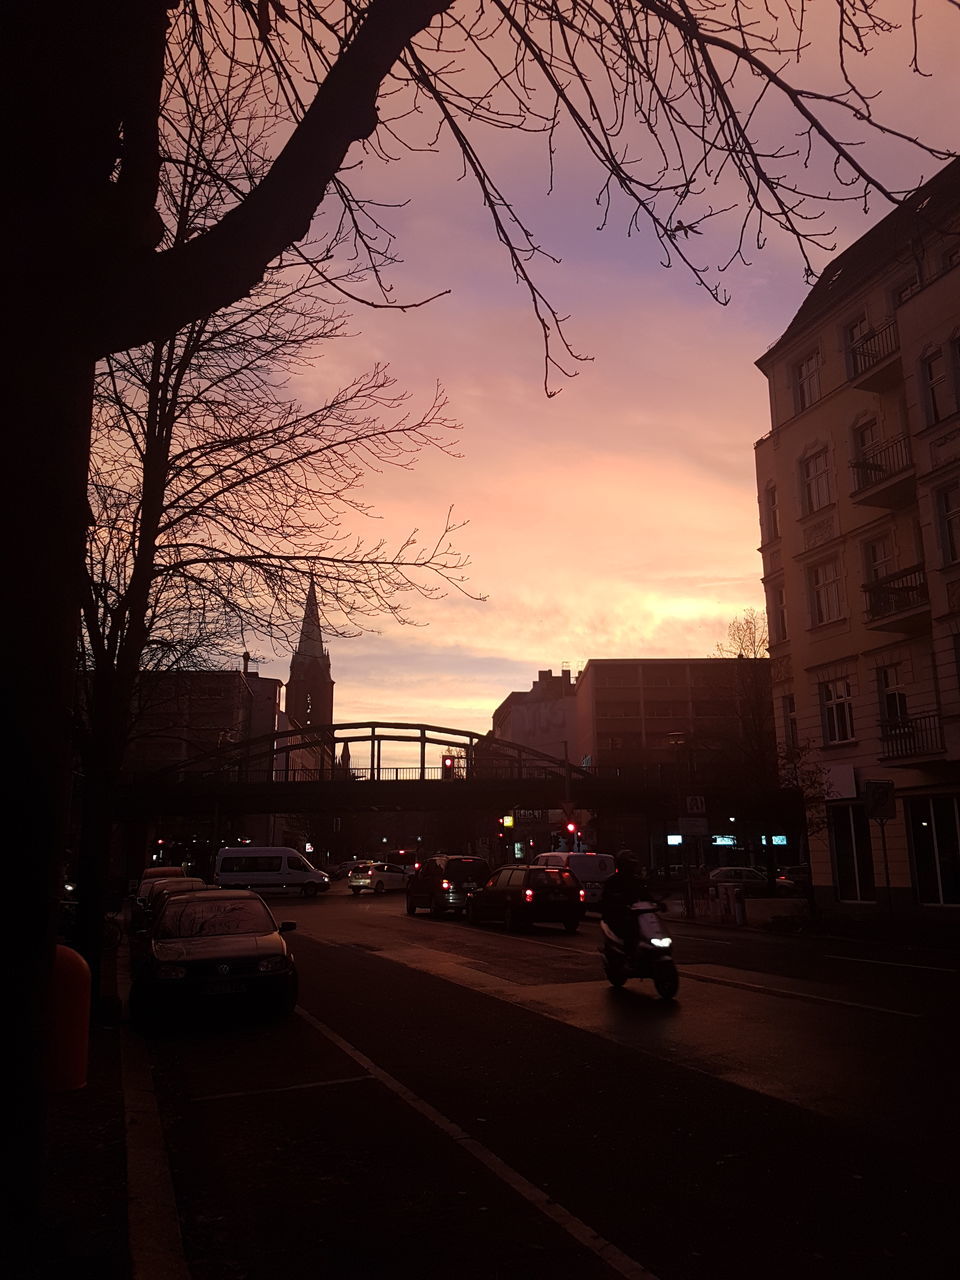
(797, 875)
(591, 869)
(443, 883)
(754, 882)
(146, 893)
(169, 888)
(520, 896)
(377, 877)
(159, 872)
(218, 948)
(261, 868)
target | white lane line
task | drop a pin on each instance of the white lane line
(894, 964)
(287, 1088)
(608, 1253)
(795, 995)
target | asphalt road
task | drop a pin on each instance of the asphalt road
(458, 1102)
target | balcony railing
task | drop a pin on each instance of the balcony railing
(896, 593)
(873, 348)
(912, 736)
(882, 463)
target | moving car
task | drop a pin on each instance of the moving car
(261, 867)
(377, 877)
(520, 896)
(444, 882)
(212, 949)
(591, 869)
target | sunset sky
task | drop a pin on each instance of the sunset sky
(619, 518)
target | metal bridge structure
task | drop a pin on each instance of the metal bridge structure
(280, 773)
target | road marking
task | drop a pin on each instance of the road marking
(795, 995)
(608, 1253)
(287, 1088)
(895, 964)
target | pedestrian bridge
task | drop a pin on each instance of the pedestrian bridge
(340, 766)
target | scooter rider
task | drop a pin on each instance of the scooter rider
(626, 886)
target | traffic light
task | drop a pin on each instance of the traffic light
(448, 768)
(571, 827)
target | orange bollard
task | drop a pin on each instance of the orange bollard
(69, 1040)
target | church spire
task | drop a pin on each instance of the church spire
(310, 644)
(309, 698)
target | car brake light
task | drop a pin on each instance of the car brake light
(445, 884)
(528, 895)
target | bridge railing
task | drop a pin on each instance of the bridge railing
(467, 771)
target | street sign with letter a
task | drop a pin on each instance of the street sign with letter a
(879, 800)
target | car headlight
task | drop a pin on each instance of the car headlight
(273, 964)
(661, 942)
(171, 971)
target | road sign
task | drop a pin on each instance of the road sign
(696, 805)
(694, 826)
(879, 800)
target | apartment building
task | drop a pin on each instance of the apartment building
(858, 485)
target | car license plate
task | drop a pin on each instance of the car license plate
(224, 987)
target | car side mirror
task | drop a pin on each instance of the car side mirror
(287, 926)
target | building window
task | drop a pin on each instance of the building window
(825, 604)
(948, 511)
(816, 481)
(856, 330)
(836, 702)
(772, 513)
(893, 701)
(852, 853)
(934, 826)
(867, 437)
(878, 558)
(778, 614)
(791, 735)
(807, 381)
(907, 289)
(934, 369)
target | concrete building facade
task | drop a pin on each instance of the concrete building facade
(858, 484)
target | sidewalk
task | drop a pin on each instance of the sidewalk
(85, 1203)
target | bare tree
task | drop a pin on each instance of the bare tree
(746, 636)
(216, 498)
(666, 97)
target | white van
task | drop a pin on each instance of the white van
(591, 869)
(258, 867)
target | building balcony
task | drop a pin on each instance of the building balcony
(899, 601)
(912, 736)
(875, 359)
(885, 477)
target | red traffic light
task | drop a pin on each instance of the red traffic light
(571, 827)
(448, 767)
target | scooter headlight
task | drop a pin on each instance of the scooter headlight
(661, 942)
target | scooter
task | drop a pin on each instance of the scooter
(651, 958)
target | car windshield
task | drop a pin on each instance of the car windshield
(214, 917)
